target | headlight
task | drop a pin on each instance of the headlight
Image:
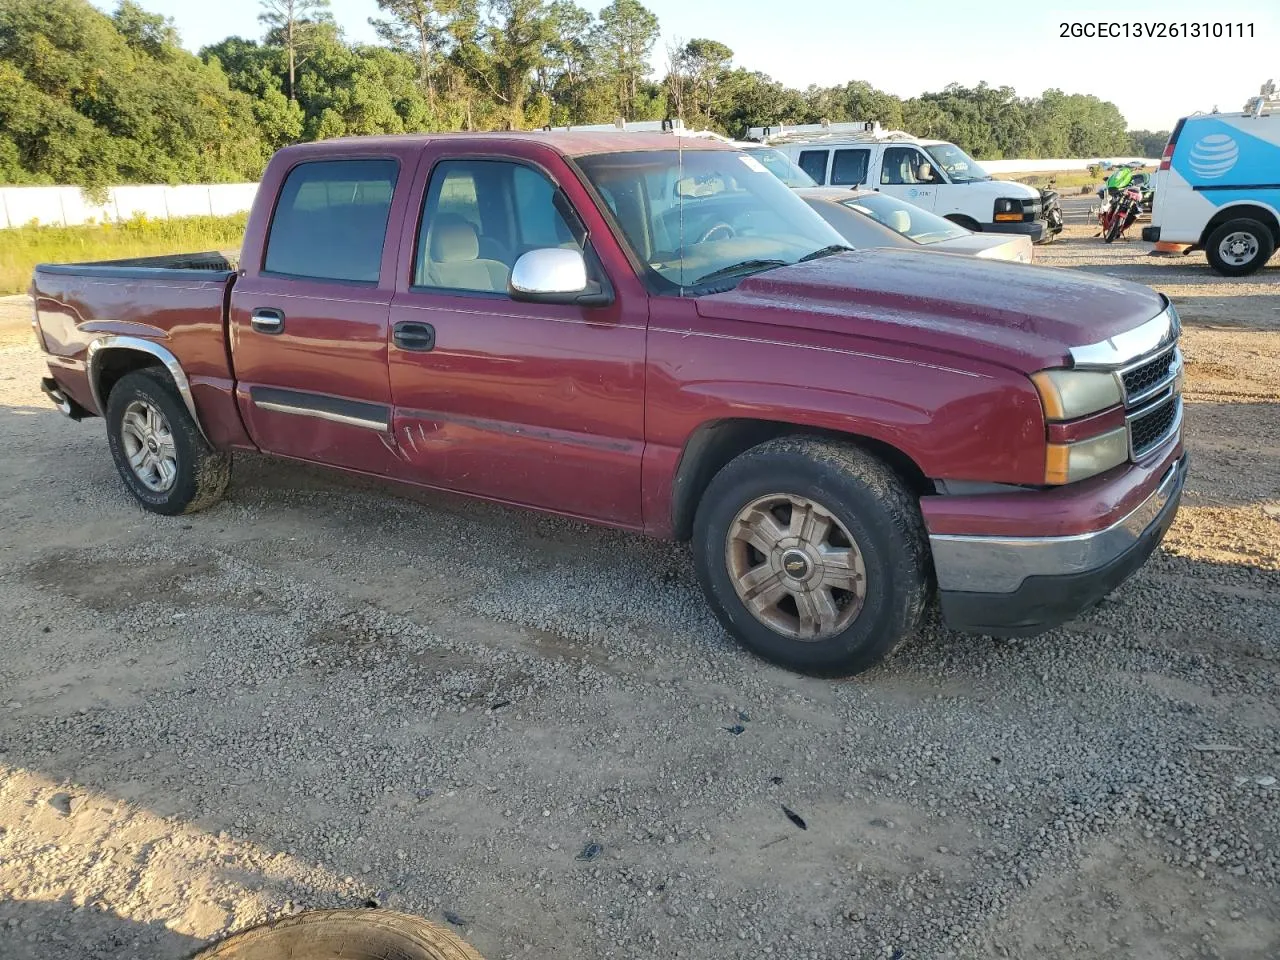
(1008, 209)
(1067, 394)
(1069, 462)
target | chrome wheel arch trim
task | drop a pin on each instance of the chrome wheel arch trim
(93, 358)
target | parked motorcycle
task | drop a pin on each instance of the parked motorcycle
(1120, 208)
(1050, 212)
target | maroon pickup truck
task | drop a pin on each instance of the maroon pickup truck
(659, 337)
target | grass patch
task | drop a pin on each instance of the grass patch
(1069, 183)
(23, 247)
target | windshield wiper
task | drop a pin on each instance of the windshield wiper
(825, 252)
(733, 268)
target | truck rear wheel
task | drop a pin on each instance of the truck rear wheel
(1239, 247)
(159, 451)
(343, 935)
(813, 555)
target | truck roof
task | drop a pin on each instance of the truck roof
(571, 144)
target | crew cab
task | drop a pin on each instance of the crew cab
(662, 338)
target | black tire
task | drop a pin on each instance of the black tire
(882, 518)
(342, 935)
(1114, 231)
(967, 222)
(202, 473)
(1261, 235)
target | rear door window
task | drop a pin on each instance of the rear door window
(814, 163)
(330, 221)
(849, 168)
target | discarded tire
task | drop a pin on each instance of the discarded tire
(342, 935)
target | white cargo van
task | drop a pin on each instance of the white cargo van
(1218, 186)
(933, 174)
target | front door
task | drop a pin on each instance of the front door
(309, 323)
(535, 404)
(906, 173)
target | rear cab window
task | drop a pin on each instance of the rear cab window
(330, 220)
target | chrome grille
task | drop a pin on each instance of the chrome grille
(1150, 427)
(1147, 365)
(1150, 375)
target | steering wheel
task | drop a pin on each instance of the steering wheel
(725, 231)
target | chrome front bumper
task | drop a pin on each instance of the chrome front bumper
(1021, 585)
(1000, 564)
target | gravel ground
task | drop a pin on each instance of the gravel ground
(320, 693)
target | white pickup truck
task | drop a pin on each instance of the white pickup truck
(932, 174)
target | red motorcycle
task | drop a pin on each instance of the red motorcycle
(1119, 211)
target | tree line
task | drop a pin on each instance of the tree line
(99, 99)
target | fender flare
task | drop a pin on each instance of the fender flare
(93, 359)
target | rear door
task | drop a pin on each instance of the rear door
(906, 173)
(536, 404)
(309, 321)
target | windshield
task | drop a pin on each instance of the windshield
(782, 167)
(703, 218)
(960, 167)
(906, 218)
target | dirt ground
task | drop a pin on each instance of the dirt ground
(322, 693)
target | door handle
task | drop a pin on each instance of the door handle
(267, 320)
(414, 336)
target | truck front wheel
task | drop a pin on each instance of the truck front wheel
(343, 935)
(162, 457)
(812, 553)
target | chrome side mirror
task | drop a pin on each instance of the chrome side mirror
(555, 274)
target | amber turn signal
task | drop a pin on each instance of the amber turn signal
(1069, 462)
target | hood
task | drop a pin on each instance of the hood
(998, 246)
(1020, 316)
(1003, 188)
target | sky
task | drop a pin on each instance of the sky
(922, 45)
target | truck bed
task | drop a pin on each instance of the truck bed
(209, 261)
(177, 302)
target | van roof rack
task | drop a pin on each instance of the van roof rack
(868, 130)
(675, 127)
(670, 125)
(1265, 102)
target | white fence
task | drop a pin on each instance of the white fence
(1047, 166)
(68, 206)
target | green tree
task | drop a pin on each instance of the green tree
(419, 28)
(694, 87)
(260, 71)
(149, 33)
(625, 36)
(569, 77)
(753, 99)
(294, 21)
(1148, 143)
(361, 90)
(96, 100)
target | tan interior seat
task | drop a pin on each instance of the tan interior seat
(899, 220)
(454, 260)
